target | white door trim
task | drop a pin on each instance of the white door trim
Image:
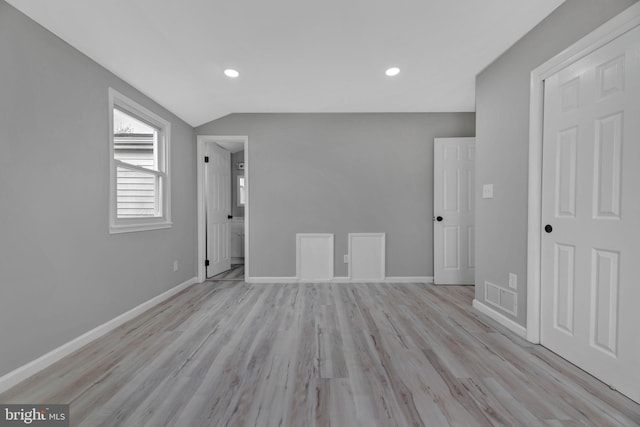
(200, 150)
(607, 32)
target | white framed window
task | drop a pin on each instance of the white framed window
(240, 191)
(139, 147)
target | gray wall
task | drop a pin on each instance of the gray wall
(236, 210)
(61, 272)
(341, 173)
(502, 108)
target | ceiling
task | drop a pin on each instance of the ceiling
(294, 55)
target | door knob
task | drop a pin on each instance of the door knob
(229, 216)
(439, 218)
(548, 228)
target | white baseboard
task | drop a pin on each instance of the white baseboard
(271, 279)
(500, 318)
(22, 373)
(392, 279)
(409, 279)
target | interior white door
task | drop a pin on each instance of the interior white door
(218, 209)
(590, 291)
(453, 211)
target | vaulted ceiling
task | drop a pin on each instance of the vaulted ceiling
(294, 55)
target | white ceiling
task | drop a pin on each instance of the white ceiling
(294, 55)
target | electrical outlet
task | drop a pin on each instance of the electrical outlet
(175, 265)
(513, 281)
(346, 259)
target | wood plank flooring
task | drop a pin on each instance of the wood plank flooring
(235, 273)
(237, 354)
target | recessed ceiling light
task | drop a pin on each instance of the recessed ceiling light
(230, 72)
(393, 71)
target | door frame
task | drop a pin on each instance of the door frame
(610, 30)
(201, 141)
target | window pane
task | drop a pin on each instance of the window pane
(134, 141)
(241, 191)
(137, 194)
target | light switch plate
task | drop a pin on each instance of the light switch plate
(487, 191)
(346, 259)
(513, 281)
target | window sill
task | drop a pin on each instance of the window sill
(131, 228)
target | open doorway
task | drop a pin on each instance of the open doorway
(223, 206)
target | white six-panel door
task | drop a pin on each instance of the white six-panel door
(218, 207)
(453, 211)
(590, 287)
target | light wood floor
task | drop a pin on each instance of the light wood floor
(231, 353)
(235, 273)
